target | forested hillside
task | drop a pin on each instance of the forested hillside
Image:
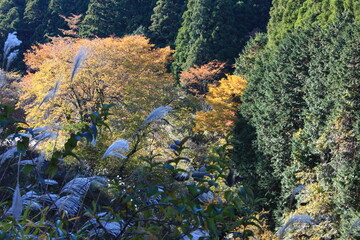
(180, 119)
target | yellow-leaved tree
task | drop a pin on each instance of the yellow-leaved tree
(127, 71)
(224, 99)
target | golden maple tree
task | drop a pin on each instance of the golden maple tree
(127, 71)
(224, 99)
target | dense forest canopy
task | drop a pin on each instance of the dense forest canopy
(180, 119)
(287, 15)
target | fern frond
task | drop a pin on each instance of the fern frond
(99, 182)
(17, 135)
(80, 186)
(111, 227)
(38, 130)
(34, 162)
(39, 161)
(298, 189)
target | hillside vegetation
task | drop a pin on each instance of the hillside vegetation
(180, 119)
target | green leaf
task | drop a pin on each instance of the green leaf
(192, 189)
(248, 233)
(28, 168)
(105, 125)
(152, 191)
(75, 156)
(238, 204)
(181, 209)
(56, 155)
(211, 226)
(23, 145)
(214, 167)
(106, 107)
(229, 211)
(71, 143)
(228, 195)
(52, 170)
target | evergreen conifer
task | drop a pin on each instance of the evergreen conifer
(166, 21)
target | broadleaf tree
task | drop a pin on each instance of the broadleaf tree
(126, 72)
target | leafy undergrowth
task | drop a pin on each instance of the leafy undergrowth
(43, 197)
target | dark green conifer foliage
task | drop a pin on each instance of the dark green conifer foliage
(102, 20)
(234, 23)
(273, 104)
(65, 8)
(183, 38)
(339, 141)
(253, 164)
(42, 20)
(10, 17)
(216, 30)
(250, 54)
(116, 17)
(166, 21)
(199, 44)
(289, 14)
(136, 13)
(303, 102)
(35, 20)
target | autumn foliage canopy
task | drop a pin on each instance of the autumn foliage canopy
(197, 79)
(127, 72)
(224, 99)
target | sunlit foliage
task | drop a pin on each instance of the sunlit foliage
(302, 103)
(288, 15)
(126, 72)
(224, 98)
(197, 78)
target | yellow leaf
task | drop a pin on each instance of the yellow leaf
(224, 98)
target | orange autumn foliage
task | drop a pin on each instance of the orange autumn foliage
(126, 71)
(197, 78)
(224, 99)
